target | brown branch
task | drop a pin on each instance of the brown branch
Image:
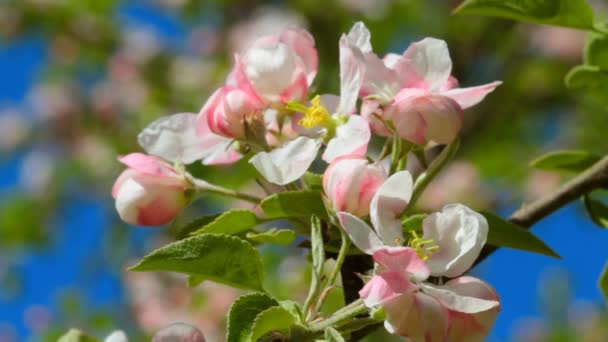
(593, 178)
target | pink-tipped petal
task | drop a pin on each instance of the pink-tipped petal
(472, 327)
(468, 97)
(417, 316)
(362, 235)
(387, 205)
(461, 301)
(402, 259)
(351, 139)
(303, 44)
(386, 286)
(430, 58)
(151, 165)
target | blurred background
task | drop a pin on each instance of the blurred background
(80, 78)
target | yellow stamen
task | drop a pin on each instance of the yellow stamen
(315, 115)
(424, 248)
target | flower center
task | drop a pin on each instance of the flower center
(315, 115)
(424, 248)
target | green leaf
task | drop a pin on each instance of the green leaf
(243, 313)
(294, 309)
(75, 335)
(274, 236)
(597, 210)
(294, 204)
(506, 234)
(313, 181)
(603, 282)
(413, 223)
(272, 319)
(596, 51)
(231, 222)
(569, 13)
(587, 77)
(221, 258)
(574, 161)
(332, 335)
(185, 231)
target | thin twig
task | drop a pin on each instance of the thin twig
(593, 178)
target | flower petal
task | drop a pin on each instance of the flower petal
(430, 59)
(460, 234)
(384, 287)
(404, 260)
(468, 97)
(351, 139)
(146, 164)
(288, 162)
(352, 67)
(362, 235)
(472, 327)
(417, 316)
(303, 44)
(173, 138)
(387, 205)
(359, 37)
(461, 301)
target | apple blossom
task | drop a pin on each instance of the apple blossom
(150, 192)
(415, 91)
(281, 67)
(461, 309)
(350, 183)
(116, 336)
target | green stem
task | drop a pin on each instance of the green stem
(427, 176)
(396, 153)
(318, 260)
(341, 316)
(338, 266)
(202, 186)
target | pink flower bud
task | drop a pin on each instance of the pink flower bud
(227, 109)
(350, 184)
(421, 117)
(150, 192)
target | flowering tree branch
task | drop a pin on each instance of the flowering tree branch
(593, 178)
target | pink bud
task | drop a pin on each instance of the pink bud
(421, 117)
(150, 192)
(350, 184)
(227, 109)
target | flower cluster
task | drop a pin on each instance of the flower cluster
(267, 113)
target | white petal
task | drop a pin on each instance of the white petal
(387, 205)
(288, 162)
(117, 336)
(173, 138)
(351, 139)
(362, 235)
(460, 234)
(457, 302)
(359, 37)
(417, 316)
(468, 97)
(431, 60)
(351, 75)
